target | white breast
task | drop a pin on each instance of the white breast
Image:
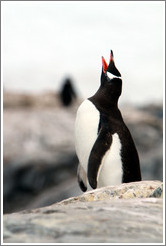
(110, 172)
(86, 128)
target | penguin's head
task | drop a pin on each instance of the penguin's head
(111, 85)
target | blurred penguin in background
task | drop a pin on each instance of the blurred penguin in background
(67, 93)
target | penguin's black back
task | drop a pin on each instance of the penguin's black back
(111, 119)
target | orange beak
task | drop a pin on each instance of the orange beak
(105, 65)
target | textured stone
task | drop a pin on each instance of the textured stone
(97, 216)
(141, 189)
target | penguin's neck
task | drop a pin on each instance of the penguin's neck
(104, 104)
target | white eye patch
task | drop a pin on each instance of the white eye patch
(111, 76)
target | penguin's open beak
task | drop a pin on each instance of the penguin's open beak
(111, 57)
(104, 64)
(111, 67)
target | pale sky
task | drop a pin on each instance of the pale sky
(44, 41)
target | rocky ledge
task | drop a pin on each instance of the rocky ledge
(128, 213)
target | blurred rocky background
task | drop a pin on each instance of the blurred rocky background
(40, 163)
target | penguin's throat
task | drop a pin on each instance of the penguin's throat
(103, 101)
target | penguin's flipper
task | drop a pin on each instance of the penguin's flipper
(100, 147)
(82, 178)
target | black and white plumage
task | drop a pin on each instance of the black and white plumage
(104, 146)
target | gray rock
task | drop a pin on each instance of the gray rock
(108, 219)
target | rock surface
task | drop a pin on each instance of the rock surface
(129, 213)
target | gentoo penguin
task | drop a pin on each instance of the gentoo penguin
(104, 146)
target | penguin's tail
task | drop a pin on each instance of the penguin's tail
(82, 178)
